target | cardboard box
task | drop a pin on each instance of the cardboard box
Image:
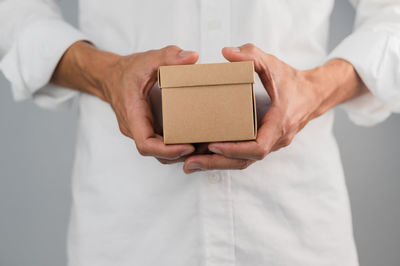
(208, 102)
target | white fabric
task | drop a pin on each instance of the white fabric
(289, 209)
(374, 51)
(34, 37)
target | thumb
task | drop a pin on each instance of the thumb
(247, 52)
(173, 55)
(188, 57)
(262, 63)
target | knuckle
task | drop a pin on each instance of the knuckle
(167, 50)
(244, 164)
(162, 161)
(164, 52)
(262, 153)
(124, 132)
(285, 142)
(290, 125)
(259, 156)
(171, 47)
(258, 56)
(286, 128)
(142, 149)
(251, 47)
(167, 53)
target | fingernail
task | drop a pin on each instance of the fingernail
(184, 53)
(215, 150)
(184, 153)
(235, 49)
(194, 167)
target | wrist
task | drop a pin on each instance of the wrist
(333, 83)
(95, 66)
(84, 67)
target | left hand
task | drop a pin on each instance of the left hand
(296, 98)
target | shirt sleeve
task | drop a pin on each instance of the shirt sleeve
(374, 50)
(33, 38)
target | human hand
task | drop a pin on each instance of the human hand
(296, 98)
(127, 90)
(125, 83)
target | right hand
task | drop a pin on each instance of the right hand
(127, 89)
(125, 83)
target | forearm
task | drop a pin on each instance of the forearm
(83, 67)
(334, 82)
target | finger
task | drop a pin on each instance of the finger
(165, 161)
(201, 148)
(124, 130)
(169, 55)
(284, 141)
(213, 162)
(141, 125)
(147, 141)
(263, 62)
(173, 55)
(247, 52)
(239, 150)
(268, 135)
(154, 146)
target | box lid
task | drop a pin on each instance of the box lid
(205, 74)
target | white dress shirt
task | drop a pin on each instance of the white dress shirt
(290, 209)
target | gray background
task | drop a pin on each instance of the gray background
(36, 153)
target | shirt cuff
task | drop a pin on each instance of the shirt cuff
(375, 57)
(32, 59)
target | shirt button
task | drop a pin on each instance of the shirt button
(214, 178)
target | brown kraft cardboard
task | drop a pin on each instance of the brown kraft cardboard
(208, 102)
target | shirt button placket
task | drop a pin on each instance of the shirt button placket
(217, 219)
(216, 200)
(215, 29)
